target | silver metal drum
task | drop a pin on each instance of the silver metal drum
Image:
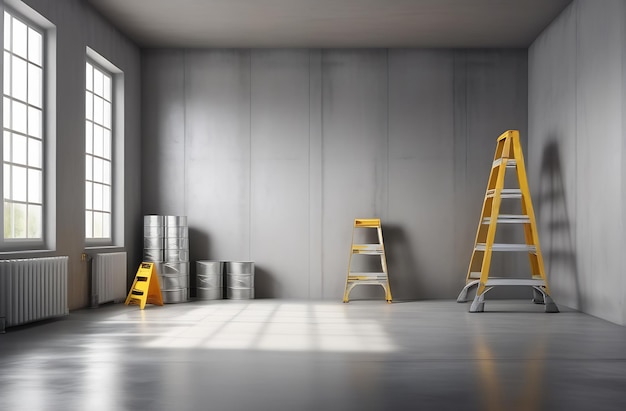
(239, 280)
(180, 295)
(153, 244)
(209, 280)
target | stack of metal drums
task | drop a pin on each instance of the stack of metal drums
(172, 257)
(209, 280)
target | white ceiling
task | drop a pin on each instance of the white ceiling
(331, 23)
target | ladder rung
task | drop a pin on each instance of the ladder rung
(367, 222)
(512, 163)
(367, 276)
(507, 247)
(475, 275)
(506, 193)
(369, 249)
(537, 282)
(509, 219)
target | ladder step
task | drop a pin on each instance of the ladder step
(367, 222)
(367, 249)
(507, 247)
(509, 219)
(506, 193)
(512, 163)
(533, 282)
(370, 278)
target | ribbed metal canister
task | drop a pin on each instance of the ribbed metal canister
(239, 280)
(153, 238)
(209, 280)
(175, 274)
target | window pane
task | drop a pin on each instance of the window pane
(7, 31)
(19, 183)
(106, 198)
(106, 225)
(8, 220)
(18, 120)
(18, 83)
(106, 121)
(89, 76)
(19, 220)
(106, 173)
(106, 153)
(34, 152)
(107, 88)
(97, 82)
(97, 141)
(97, 169)
(34, 221)
(97, 225)
(19, 149)
(98, 116)
(34, 122)
(7, 73)
(89, 224)
(97, 196)
(89, 106)
(7, 181)
(34, 186)
(34, 46)
(34, 85)
(89, 137)
(19, 38)
(6, 115)
(6, 144)
(89, 167)
(89, 195)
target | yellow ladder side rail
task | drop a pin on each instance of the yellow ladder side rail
(383, 263)
(491, 231)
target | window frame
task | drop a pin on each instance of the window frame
(36, 22)
(116, 238)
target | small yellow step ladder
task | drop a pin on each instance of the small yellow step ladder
(145, 288)
(508, 156)
(368, 278)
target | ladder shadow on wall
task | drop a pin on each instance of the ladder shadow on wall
(556, 233)
(404, 273)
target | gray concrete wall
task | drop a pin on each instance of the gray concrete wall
(79, 26)
(273, 153)
(576, 126)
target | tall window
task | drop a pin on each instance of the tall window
(23, 139)
(99, 153)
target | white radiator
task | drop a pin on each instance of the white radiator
(32, 289)
(108, 278)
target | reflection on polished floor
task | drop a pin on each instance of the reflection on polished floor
(290, 355)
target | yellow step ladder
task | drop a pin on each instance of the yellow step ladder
(508, 156)
(145, 288)
(368, 278)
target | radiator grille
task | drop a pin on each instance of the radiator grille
(32, 289)
(108, 281)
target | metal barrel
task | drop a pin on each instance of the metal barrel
(209, 280)
(239, 280)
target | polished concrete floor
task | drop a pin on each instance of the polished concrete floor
(291, 355)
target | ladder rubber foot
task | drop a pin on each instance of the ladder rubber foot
(552, 308)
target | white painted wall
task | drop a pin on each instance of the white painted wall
(577, 89)
(79, 26)
(273, 153)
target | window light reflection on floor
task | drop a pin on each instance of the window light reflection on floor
(275, 327)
